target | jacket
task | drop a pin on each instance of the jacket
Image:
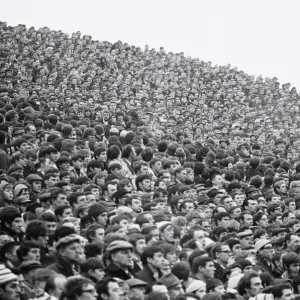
(263, 265)
(147, 275)
(113, 270)
(61, 266)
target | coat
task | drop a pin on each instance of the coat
(113, 270)
(147, 275)
(61, 266)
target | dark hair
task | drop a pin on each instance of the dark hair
(90, 232)
(91, 263)
(102, 286)
(35, 229)
(92, 250)
(200, 262)
(245, 282)
(149, 253)
(63, 231)
(73, 288)
(156, 296)
(25, 248)
(278, 289)
(7, 248)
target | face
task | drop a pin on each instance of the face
(294, 242)
(255, 286)
(60, 283)
(248, 221)
(246, 241)
(37, 186)
(168, 233)
(98, 274)
(8, 194)
(218, 180)
(60, 200)
(33, 254)
(12, 290)
(137, 293)
(114, 292)
(201, 292)
(293, 270)
(225, 222)
(140, 246)
(72, 252)
(102, 219)
(99, 236)
(103, 157)
(88, 292)
(209, 270)
(51, 226)
(157, 260)
(123, 258)
(145, 185)
(4, 239)
(67, 213)
(42, 240)
(224, 254)
(252, 205)
(236, 212)
(236, 249)
(239, 199)
(16, 225)
(175, 291)
(199, 237)
(267, 252)
(136, 205)
(220, 290)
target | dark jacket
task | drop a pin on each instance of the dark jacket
(4, 158)
(17, 237)
(219, 272)
(147, 275)
(267, 267)
(61, 266)
(113, 270)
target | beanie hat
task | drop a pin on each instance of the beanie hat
(96, 209)
(290, 258)
(243, 263)
(182, 270)
(6, 275)
(9, 213)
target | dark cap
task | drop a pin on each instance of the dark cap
(169, 280)
(21, 200)
(33, 177)
(250, 189)
(30, 265)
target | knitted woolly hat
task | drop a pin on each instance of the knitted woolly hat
(6, 275)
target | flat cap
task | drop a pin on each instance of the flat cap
(66, 241)
(133, 282)
(119, 245)
(30, 265)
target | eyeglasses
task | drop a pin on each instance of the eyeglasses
(91, 291)
(268, 248)
(226, 251)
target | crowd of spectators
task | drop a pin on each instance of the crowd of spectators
(136, 174)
